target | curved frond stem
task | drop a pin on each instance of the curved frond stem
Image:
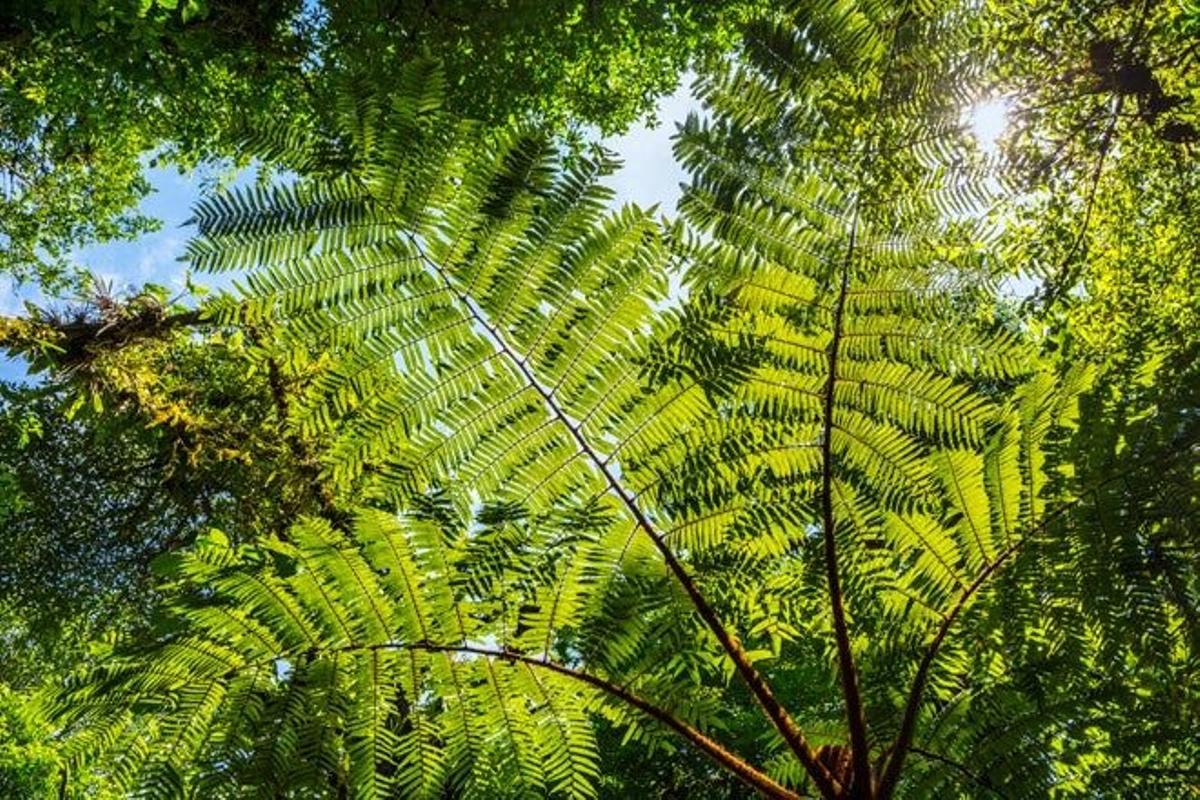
(745, 772)
(864, 785)
(891, 774)
(855, 716)
(903, 744)
(780, 719)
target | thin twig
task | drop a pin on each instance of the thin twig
(932, 756)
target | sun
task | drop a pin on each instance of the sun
(988, 121)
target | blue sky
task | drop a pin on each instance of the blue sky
(649, 175)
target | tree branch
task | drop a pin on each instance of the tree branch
(68, 343)
(1061, 282)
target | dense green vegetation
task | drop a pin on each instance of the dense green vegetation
(872, 473)
(91, 93)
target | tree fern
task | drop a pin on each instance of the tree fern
(605, 464)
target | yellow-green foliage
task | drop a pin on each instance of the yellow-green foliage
(583, 433)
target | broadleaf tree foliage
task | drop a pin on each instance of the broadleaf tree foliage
(93, 93)
(587, 467)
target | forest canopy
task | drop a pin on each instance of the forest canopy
(871, 469)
